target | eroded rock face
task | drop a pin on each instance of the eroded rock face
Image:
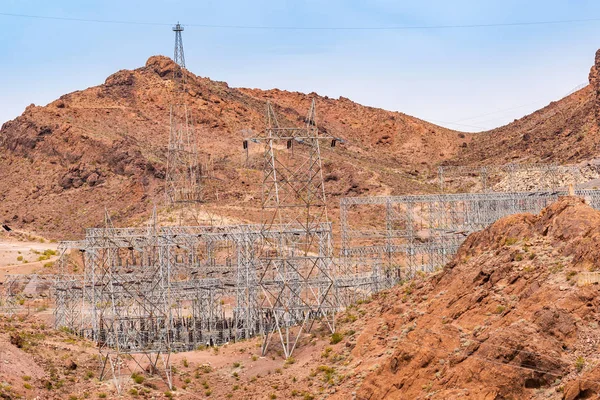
(163, 66)
(594, 79)
(121, 78)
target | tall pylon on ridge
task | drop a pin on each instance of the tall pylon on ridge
(183, 178)
(179, 56)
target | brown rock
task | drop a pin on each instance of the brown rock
(16, 340)
(92, 179)
(70, 365)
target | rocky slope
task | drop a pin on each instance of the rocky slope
(105, 147)
(565, 131)
(506, 319)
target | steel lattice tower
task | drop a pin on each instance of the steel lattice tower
(295, 272)
(183, 177)
(179, 56)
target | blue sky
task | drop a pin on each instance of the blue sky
(448, 76)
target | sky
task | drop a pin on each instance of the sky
(469, 79)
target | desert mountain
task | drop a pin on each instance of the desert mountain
(104, 147)
(62, 164)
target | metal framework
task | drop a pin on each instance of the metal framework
(407, 234)
(145, 292)
(295, 274)
(183, 176)
(150, 291)
(516, 177)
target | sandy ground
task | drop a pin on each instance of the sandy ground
(12, 247)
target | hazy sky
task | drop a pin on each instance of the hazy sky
(478, 77)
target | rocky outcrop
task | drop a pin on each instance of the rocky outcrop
(594, 80)
(505, 319)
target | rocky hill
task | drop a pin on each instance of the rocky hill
(514, 315)
(104, 147)
(62, 164)
(565, 131)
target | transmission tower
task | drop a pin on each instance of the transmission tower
(295, 272)
(179, 57)
(183, 177)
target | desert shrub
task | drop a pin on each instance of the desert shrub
(137, 378)
(579, 363)
(336, 338)
(328, 372)
(206, 368)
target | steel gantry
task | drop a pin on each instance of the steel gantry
(295, 273)
(406, 234)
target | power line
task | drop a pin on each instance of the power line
(460, 121)
(499, 111)
(417, 27)
(308, 28)
(573, 90)
(101, 21)
(436, 122)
